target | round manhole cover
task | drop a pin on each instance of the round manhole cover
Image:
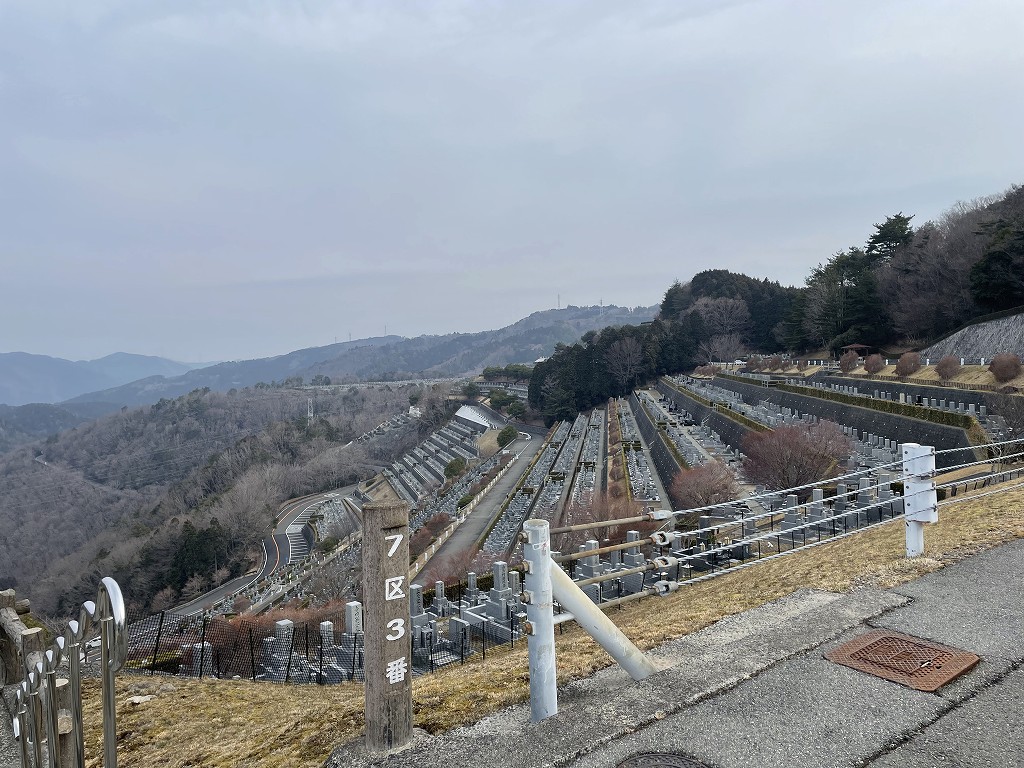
(661, 760)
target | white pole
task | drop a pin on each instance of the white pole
(599, 626)
(919, 498)
(540, 624)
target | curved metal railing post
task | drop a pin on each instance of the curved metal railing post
(111, 612)
(51, 659)
(37, 709)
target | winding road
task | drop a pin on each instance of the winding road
(278, 549)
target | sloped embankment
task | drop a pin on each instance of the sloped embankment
(988, 339)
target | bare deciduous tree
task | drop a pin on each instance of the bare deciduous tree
(723, 317)
(1005, 366)
(722, 348)
(164, 599)
(874, 363)
(603, 506)
(194, 587)
(795, 455)
(710, 483)
(624, 359)
(909, 362)
(930, 281)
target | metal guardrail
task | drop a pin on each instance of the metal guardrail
(546, 582)
(43, 700)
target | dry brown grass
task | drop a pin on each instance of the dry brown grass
(488, 443)
(968, 375)
(240, 723)
(383, 492)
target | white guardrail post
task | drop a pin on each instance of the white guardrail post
(545, 580)
(920, 503)
(540, 620)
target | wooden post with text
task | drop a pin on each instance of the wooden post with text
(388, 651)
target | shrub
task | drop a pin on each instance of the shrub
(507, 435)
(948, 367)
(1005, 366)
(909, 362)
(455, 467)
(755, 363)
(848, 361)
(774, 363)
(802, 364)
(874, 363)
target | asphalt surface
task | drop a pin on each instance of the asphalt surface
(755, 690)
(276, 551)
(477, 522)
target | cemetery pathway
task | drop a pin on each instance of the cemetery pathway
(479, 520)
(756, 691)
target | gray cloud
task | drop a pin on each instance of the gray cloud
(235, 180)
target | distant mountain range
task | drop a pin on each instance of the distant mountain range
(27, 378)
(129, 380)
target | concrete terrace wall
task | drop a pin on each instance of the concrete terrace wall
(868, 386)
(899, 428)
(664, 461)
(731, 432)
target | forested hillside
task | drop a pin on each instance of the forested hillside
(903, 287)
(25, 423)
(390, 358)
(914, 284)
(129, 495)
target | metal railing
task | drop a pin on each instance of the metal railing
(43, 700)
(546, 583)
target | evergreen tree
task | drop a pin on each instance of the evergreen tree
(892, 235)
(997, 281)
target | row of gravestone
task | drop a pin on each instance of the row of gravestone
(447, 631)
(541, 490)
(975, 410)
(667, 413)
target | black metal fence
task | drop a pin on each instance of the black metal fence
(257, 649)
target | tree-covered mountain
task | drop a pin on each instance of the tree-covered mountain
(25, 423)
(388, 357)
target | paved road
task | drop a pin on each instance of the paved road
(467, 534)
(277, 546)
(276, 551)
(756, 691)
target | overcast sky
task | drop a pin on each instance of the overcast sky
(227, 180)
